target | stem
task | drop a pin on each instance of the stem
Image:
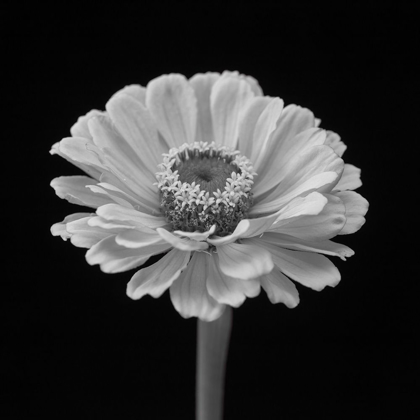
(212, 348)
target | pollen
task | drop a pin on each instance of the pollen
(202, 185)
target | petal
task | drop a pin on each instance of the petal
(196, 236)
(189, 293)
(310, 170)
(202, 85)
(59, 229)
(135, 239)
(311, 270)
(316, 227)
(323, 247)
(114, 258)
(264, 128)
(280, 169)
(118, 191)
(137, 127)
(119, 157)
(246, 228)
(226, 289)
(293, 120)
(156, 278)
(105, 224)
(317, 182)
(244, 261)
(280, 289)
(115, 212)
(172, 103)
(81, 151)
(350, 180)
(111, 198)
(243, 227)
(80, 128)
(310, 205)
(85, 236)
(356, 208)
(181, 244)
(252, 82)
(334, 141)
(93, 172)
(73, 189)
(249, 118)
(137, 92)
(228, 99)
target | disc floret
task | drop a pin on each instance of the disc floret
(203, 184)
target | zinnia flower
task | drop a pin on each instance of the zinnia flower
(239, 191)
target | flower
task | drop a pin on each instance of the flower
(239, 191)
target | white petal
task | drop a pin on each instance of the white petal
(181, 244)
(156, 278)
(137, 92)
(114, 258)
(350, 180)
(356, 208)
(299, 145)
(172, 102)
(80, 128)
(310, 170)
(293, 120)
(85, 236)
(255, 87)
(246, 228)
(137, 127)
(105, 224)
(323, 247)
(264, 128)
(244, 261)
(243, 227)
(136, 239)
(316, 227)
(280, 289)
(310, 205)
(73, 189)
(202, 85)
(149, 199)
(252, 82)
(228, 100)
(196, 236)
(310, 269)
(117, 191)
(93, 172)
(82, 151)
(316, 182)
(247, 126)
(111, 198)
(189, 293)
(334, 141)
(119, 157)
(59, 229)
(226, 289)
(115, 212)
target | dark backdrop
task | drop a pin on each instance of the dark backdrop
(76, 347)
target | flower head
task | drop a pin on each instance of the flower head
(239, 191)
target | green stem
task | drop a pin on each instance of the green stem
(212, 348)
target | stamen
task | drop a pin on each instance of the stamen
(203, 185)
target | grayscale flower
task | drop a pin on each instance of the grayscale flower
(240, 192)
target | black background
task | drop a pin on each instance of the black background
(75, 346)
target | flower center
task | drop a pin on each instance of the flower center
(202, 185)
